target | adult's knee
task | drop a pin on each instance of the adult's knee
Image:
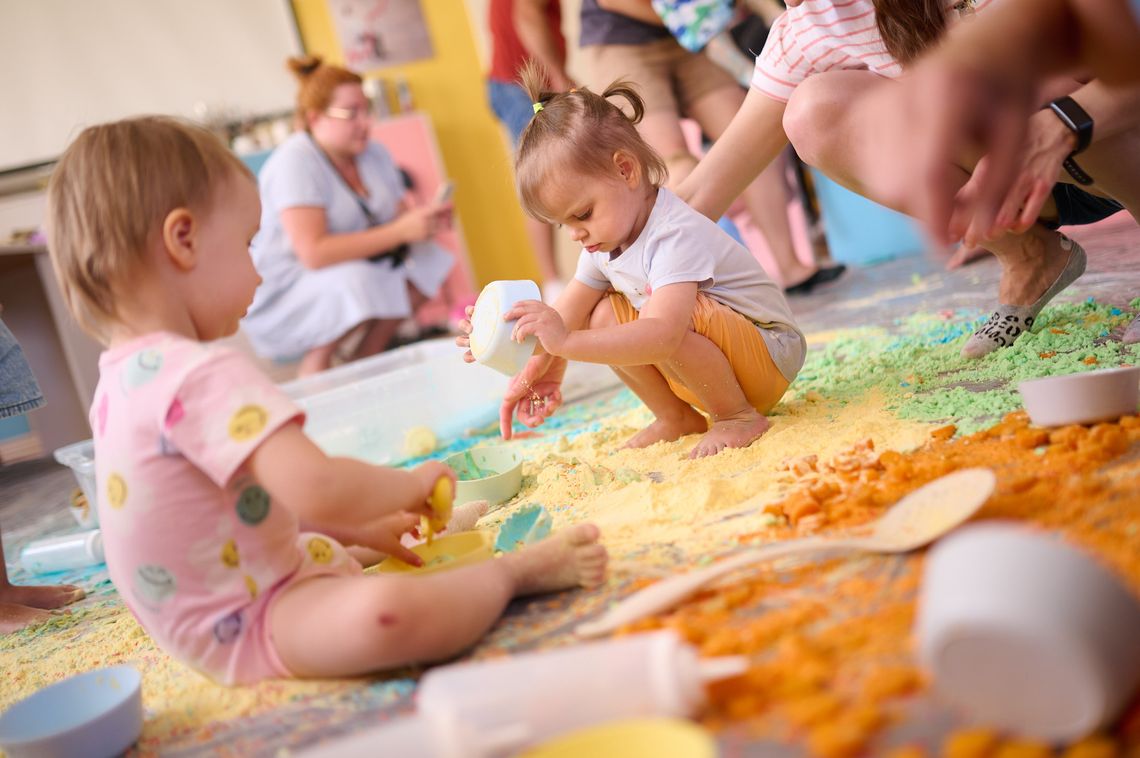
(809, 118)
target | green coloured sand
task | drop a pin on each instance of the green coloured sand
(469, 470)
(917, 366)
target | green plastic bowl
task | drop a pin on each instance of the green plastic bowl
(493, 474)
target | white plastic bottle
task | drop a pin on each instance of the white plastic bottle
(495, 709)
(67, 551)
(508, 704)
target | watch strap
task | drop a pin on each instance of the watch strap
(1075, 171)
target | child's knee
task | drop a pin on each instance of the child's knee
(603, 315)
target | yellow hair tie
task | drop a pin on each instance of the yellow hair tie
(537, 108)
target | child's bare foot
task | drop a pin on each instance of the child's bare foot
(46, 596)
(737, 431)
(569, 558)
(464, 517)
(667, 430)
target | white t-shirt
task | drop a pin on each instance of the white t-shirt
(821, 35)
(677, 245)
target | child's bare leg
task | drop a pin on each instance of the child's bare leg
(703, 368)
(674, 418)
(383, 622)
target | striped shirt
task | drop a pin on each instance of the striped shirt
(823, 35)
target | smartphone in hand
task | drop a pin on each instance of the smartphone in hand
(443, 192)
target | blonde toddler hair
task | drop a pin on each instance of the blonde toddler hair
(578, 129)
(109, 195)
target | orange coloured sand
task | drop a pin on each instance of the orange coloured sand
(831, 645)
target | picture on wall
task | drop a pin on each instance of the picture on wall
(379, 33)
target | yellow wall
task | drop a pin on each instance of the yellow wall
(452, 89)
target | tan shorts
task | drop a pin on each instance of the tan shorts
(740, 341)
(668, 77)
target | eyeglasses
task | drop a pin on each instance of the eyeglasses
(346, 114)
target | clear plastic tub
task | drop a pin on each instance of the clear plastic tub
(365, 409)
(80, 458)
(369, 368)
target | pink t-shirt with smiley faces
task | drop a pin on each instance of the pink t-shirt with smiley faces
(195, 546)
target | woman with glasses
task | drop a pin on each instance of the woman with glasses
(342, 245)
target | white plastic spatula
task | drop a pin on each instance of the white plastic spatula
(918, 519)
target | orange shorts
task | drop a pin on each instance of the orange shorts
(740, 341)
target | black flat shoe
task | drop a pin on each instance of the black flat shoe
(821, 276)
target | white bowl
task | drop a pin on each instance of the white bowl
(97, 715)
(1025, 633)
(491, 342)
(1084, 398)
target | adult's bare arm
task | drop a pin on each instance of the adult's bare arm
(641, 10)
(533, 28)
(316, 247)
(753, 140)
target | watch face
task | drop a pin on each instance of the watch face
(1074, 116)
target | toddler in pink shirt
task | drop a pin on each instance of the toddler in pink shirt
(204, 472)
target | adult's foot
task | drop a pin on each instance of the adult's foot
(815, 279)
(667, 430)
(1132, 333)
(45, 597)
(15, 617)
(966, 254)
(24, 605)
(731, 432)
(569, 558)
(1028, 282)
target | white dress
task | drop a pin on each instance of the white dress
(296, 308)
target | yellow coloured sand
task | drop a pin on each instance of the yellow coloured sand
(659, 497)
(648, 503)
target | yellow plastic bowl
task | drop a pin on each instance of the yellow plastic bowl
(446, 552)
(657, 737)
(493, 474)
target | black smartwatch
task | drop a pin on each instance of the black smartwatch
(1079, 123)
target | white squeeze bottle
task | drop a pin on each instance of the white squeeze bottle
(495, 709)
(68, 551)
(510, 703)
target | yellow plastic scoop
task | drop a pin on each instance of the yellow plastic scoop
(441, 502)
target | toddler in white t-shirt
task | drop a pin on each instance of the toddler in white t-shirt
(684, 314)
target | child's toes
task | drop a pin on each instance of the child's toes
(582, 534)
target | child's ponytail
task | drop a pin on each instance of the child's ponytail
(623, 88)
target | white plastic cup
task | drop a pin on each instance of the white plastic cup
(69, 551)
(1082, 398)
(491, 342)
(1025, 633)
(508, 704)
